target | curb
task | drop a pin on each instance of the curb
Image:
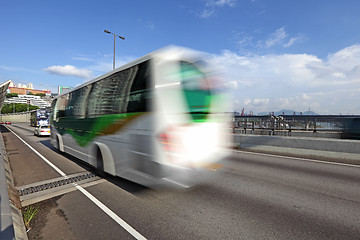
(11, 220)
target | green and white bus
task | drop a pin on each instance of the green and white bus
(156, 121)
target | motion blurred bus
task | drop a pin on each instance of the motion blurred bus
(158, 121)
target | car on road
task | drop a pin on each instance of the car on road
(42, 131)
(1, 122)
(8, 122)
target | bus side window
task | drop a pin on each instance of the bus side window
(139, 93)
(79, 104)
(121, 92)
(92, 106)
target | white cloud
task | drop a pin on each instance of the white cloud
(247, 101)
(277, 37)
(306, 96)
(69, 70)
(295, 81)
(347, 58)
(338, 74)
(293, 40)
(231, 84)
(258, 101)
(255, 41)
(207, 13)
(212, 5)
(221, 3)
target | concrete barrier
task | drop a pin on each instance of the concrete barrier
(23, 117)
(322, 147)
(11, 220)
(6, 222)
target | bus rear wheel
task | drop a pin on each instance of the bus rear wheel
(99, 163)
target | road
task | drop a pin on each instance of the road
(254, 196)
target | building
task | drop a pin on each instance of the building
(30, 85)
(25, 89)
(30, 99)
(63, 89)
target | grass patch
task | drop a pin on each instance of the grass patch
(29, 214)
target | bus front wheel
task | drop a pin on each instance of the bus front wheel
(58, 145)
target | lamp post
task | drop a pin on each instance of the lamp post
(115, 35)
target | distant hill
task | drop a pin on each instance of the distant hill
(288, 112)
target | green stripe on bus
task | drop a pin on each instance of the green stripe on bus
(85, 130)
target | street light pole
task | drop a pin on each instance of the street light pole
(114, 52)
(115, 35)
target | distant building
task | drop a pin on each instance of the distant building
(30, 99)
(20, 85)
(63, 89)
(30, 85)
(25, 89)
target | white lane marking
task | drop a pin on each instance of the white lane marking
(115, 217)
(176, 183)
(110, 213)
(41, 156)
(300, 159)
(140, 153)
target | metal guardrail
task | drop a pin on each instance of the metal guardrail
(332, 123)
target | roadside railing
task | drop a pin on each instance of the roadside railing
(347, 125)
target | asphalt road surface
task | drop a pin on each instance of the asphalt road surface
(254, 196)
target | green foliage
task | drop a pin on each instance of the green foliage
(16, 107)
(10, 95)
(40, 94)
(29, 213)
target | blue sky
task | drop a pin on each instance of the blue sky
(277, 54)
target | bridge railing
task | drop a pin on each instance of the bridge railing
(345, 124)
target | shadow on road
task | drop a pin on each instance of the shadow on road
(126, 185)
(3, 129)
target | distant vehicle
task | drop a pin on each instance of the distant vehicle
(156, 121)
(40, 117)
(8, 122)
(1, 122)
(42, 131)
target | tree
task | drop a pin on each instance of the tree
(16, 107)
(10, 95)
(40, 94)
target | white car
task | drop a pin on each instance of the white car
(42, 131)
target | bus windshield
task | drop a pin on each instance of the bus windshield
(196, 89)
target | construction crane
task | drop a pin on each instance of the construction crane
(47, 85)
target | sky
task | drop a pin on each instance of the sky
(275, 55)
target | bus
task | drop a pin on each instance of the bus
(158, 121)
(40, 117)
